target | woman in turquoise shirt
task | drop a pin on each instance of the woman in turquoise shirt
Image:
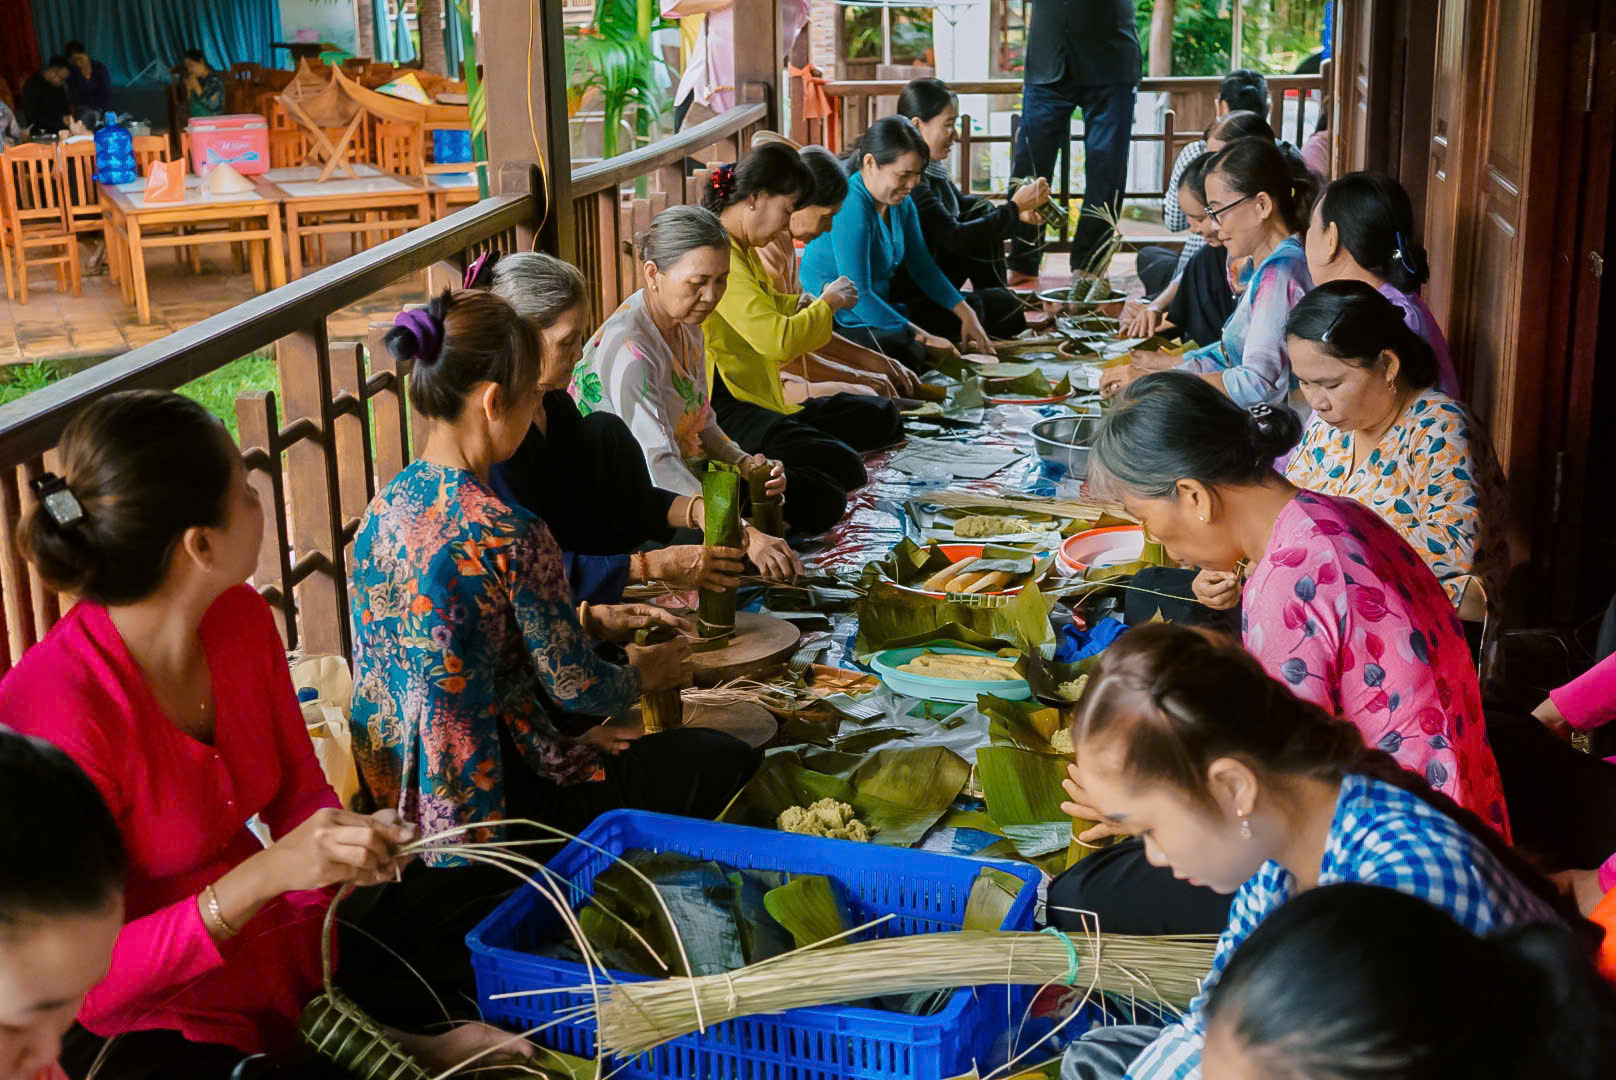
(877, 231)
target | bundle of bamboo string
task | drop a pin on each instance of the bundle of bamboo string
(635, 1017)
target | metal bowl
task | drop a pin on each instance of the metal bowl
(1063, 444)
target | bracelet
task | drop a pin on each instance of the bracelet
(216, 914)
(583, 616)
(639, 559)
(690, 511)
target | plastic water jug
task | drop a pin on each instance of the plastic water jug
(114, 154)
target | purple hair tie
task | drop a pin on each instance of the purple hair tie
(428, 331)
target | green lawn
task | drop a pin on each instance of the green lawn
(215, 391)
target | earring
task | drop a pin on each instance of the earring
(1245, 825)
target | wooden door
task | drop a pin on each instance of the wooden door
(1445, 181)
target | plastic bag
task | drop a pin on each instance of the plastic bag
(325, 690)
(165, 182)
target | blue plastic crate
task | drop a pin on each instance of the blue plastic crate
(926, 891)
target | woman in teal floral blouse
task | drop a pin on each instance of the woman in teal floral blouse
(480, 692)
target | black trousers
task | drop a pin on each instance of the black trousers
(1204, 301)
(1171, 596)
(819, 446)
(1155, 266)
(1562, 802)
(167, 1055)
(1118, 886)
(1000, 310)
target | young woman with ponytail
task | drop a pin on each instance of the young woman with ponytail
(1362, 229)
(1384, 435)
(1259, 196)
(877, 233)
(1388, 1009)
(1233, 783)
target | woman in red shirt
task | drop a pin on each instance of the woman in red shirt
(167, 684)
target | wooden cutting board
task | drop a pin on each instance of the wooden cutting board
(759, 648)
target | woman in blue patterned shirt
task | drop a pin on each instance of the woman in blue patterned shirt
(1235, 784)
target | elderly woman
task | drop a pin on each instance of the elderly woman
(647, 364)
(585, 477)
(1383, 434)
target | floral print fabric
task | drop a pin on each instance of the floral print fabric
(1346, 615)
(1433, 478)
(463, 625)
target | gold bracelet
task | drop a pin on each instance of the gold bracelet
(214, 911)
(690, 511)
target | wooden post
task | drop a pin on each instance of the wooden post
(801, 58)
(1161, 37)
(757, 25)
(512, 88)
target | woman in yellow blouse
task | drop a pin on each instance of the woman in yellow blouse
(1384, 435)
(755, 331)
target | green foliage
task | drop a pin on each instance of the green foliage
(217, 390)
(1202, 36)
(613, 55)
(911, 32)
(1276, 35)
(24, 379)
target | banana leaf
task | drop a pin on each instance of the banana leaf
(820, 592)
(893, 618)
(1044, 677)
(697, 892)
(767, 510)
(811, 908)
(762, 937)
(899, 792)
(1034, 385)
(1023, 792)
(1027, 725)
(908, 563)
(967, 397)
(721, 495)
(993, 893)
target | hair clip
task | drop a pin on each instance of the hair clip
(723, 180)
(1401, 257)
(428, 331)
(474, 270)
(1329, 331)
(1260, 413)
(58, 500)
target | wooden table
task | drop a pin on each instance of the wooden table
(451, 191)
(133, 227)
(365, 204)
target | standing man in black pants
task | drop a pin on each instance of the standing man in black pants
(1081, 54)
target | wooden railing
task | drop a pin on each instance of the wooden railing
(316, 452)
(607, 214)
(858, 103)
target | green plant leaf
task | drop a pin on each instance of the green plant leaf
(1027, 725)
(993, 893)
(811, 908)
(893, 618)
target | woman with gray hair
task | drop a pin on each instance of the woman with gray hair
(647, 364)
(586, 476)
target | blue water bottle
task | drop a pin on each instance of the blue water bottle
(114, 153)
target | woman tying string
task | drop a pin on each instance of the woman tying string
(1260, 204)
(585, 477)
(964, 233)
(876, 233)
(1362, 229)
(478, 690)
(1232, 782)
(1335, 604)
(840, 365)
(167, 684)
(1382, 434)
(647, 364)
(755, 331)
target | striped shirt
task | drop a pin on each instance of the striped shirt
(1381, 835)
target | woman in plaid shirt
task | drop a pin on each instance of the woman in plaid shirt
(1234, 783)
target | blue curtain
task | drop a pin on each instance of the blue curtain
(453, 51)
(404, 45)
(127, 35)
(384, 31)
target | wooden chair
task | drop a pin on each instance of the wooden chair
(80, 196)
(287, 148)
(245, 73)
(31, 191)
(398, 148)
(150, 148)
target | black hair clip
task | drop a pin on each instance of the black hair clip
(58, 500)
(1329, 331)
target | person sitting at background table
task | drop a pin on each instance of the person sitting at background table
(89, 84)
(647, 364)
(964, 233)
(1259, 199)
(840, 365)
(1389, 1007)
(1184, 741)
(478, 690)
(11, 132)
(876, 233)
(754, 332)
(43, 101)
(203, 86)
(1212, 297)
(167, 684)
(1362, 229)
(585, 477)
(1384, 435)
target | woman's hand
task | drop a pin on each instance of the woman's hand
(1077, 806)
(661, 667)
(840, 294)
(619, 622)
(1146, 361)
(904, 381)
(1114, 381)
(1140, 320)
(1582, 886)
(692, 566)
(777, 473)
(1549, 715)
(1028, 198)
(613, 737)
(936, 344)
(1217, 589)
(335, 846)
(972, 334)
(772, 556)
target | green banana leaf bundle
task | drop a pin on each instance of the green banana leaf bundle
(768, 511)
(1035, 385)
(660, 710)
(894, 618)
(721, 494)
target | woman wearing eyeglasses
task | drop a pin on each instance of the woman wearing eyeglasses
(1260, 200)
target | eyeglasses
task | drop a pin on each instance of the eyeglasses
(1217, 214)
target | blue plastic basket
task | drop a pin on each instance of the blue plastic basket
(926, 891)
